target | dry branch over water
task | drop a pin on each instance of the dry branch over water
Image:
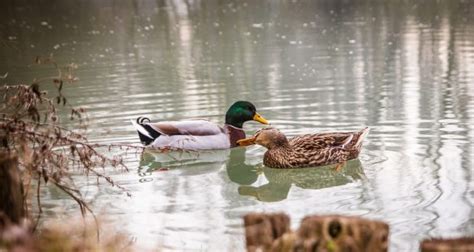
(35, 147)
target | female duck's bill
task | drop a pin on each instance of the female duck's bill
(253, 140)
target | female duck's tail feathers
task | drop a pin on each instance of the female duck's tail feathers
(363, 134)
(146, 133)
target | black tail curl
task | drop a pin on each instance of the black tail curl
(146, 140)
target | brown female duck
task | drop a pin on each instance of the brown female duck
(307, 150)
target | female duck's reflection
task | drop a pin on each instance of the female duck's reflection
(281, 180)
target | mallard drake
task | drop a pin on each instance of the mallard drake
(198, 134)
(307, 150)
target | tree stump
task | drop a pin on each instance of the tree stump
(262, 229)
(448, 245)
(316, 233)
(11, 188)
(342, 233)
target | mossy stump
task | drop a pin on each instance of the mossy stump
(265, 232)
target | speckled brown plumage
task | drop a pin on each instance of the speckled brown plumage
(309, 150)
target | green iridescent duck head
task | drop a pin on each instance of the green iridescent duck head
(243, 111)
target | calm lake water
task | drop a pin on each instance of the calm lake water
(405, 69)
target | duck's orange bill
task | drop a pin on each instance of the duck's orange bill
(246, 141)
(257, 117)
